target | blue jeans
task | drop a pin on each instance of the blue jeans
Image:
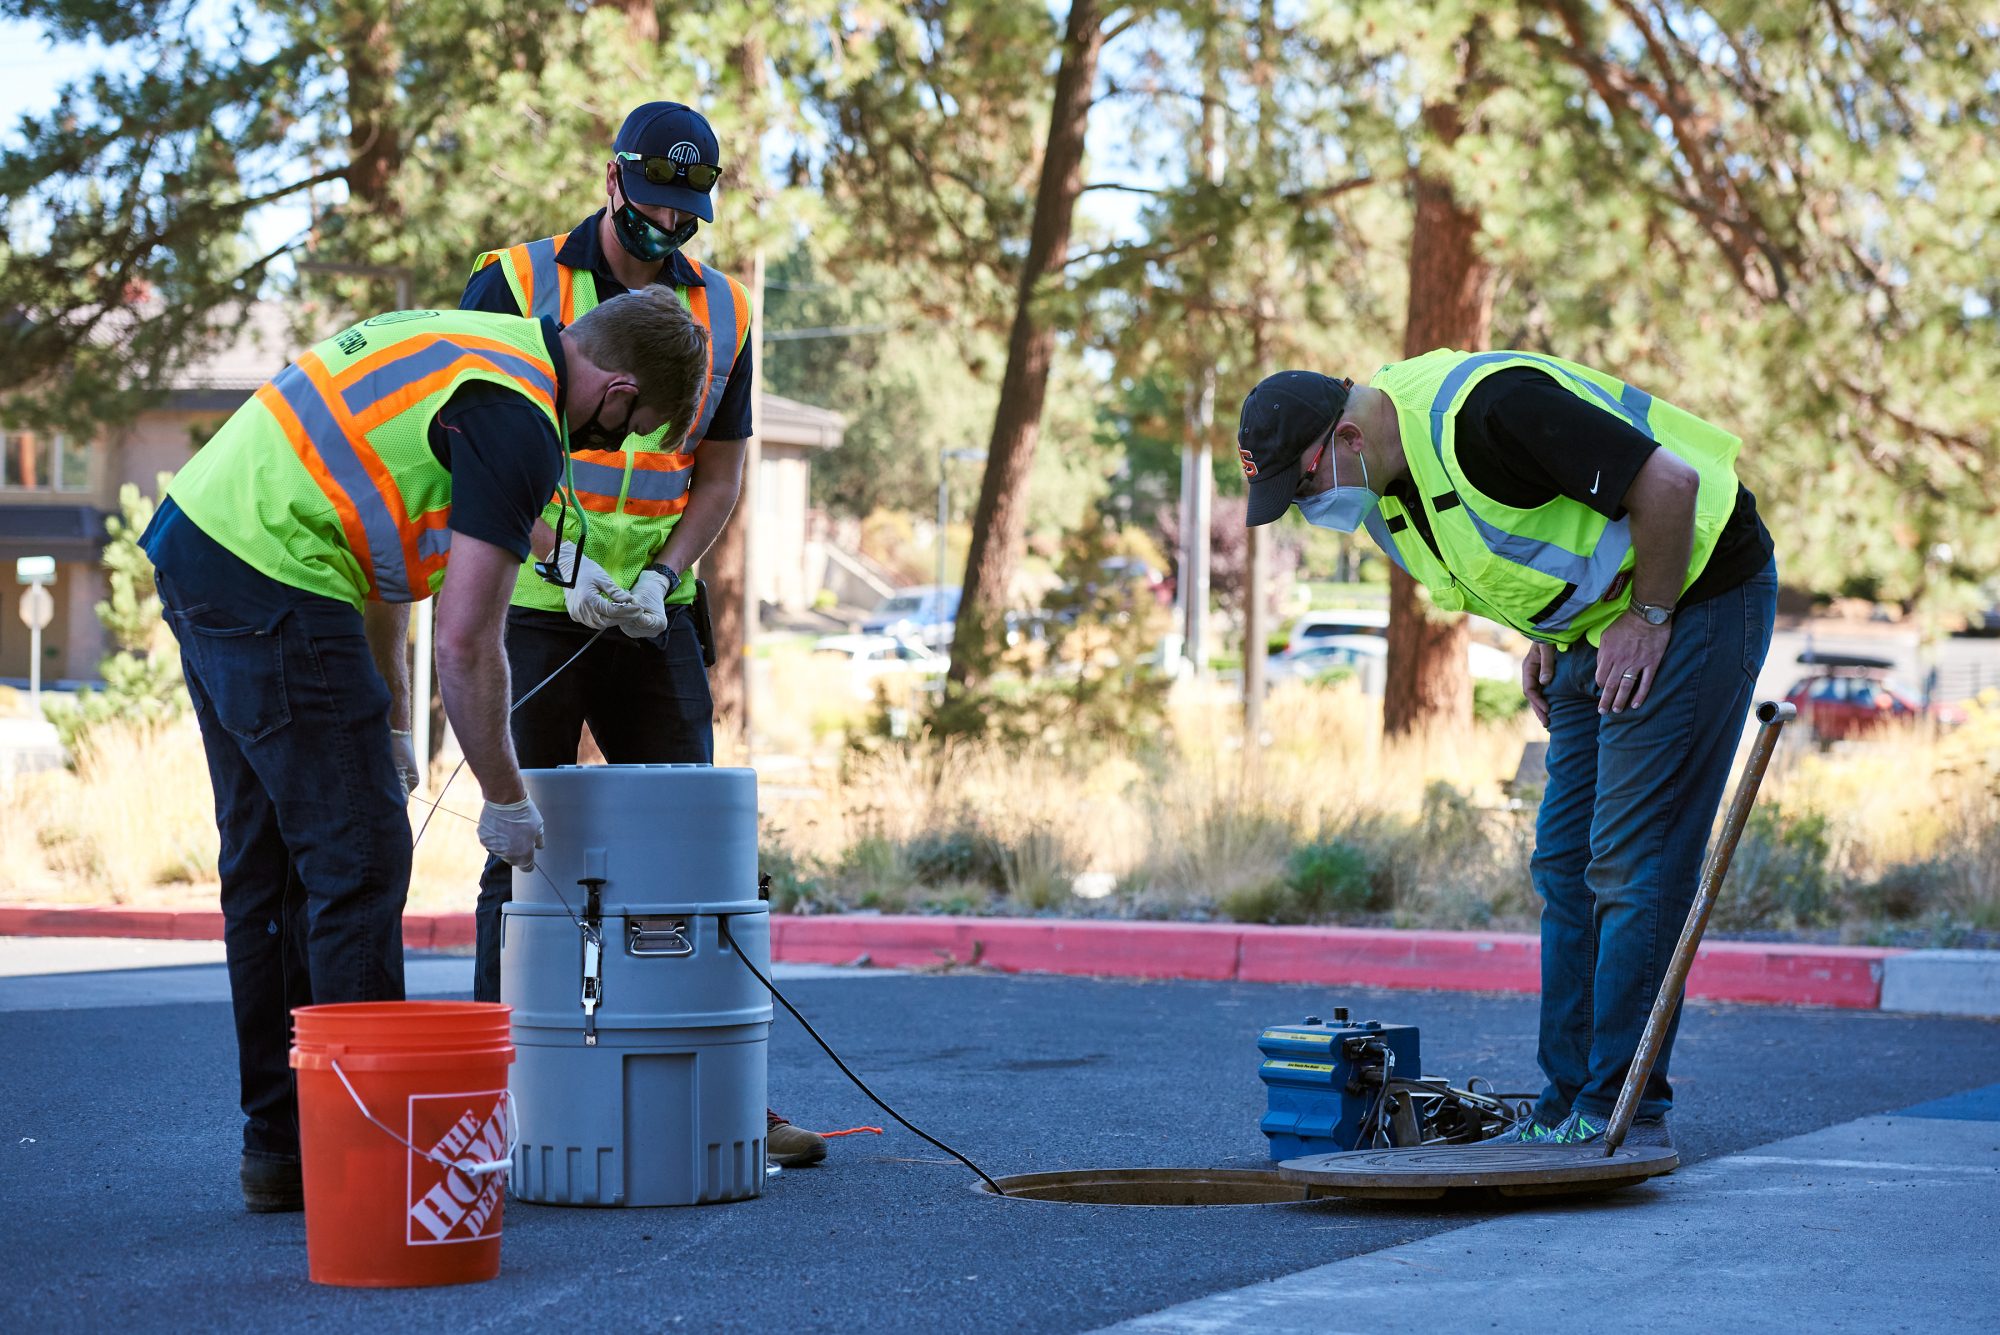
(647, 703)
(315, 857)
(1620, 838)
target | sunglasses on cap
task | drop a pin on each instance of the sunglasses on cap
(698, 176)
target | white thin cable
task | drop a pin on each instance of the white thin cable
(470, 1167)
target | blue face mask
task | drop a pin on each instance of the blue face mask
(1339, 508)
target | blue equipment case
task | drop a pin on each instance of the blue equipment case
(1318, 1102)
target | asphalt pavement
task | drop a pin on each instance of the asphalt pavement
(119, 1206)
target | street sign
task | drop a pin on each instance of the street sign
(35, 570)
(37, 607)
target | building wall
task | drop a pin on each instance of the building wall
(782, 483)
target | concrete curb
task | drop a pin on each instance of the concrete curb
(1849, 977)
(1943, 982)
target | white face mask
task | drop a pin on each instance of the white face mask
(1339, 508)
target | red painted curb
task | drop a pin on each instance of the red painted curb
(1849, 977)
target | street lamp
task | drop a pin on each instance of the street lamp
(966, 455)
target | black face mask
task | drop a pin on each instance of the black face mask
(596, 435)
(644, 241)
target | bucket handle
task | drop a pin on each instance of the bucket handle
(470, 1168)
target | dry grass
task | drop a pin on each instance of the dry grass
(1185, 828)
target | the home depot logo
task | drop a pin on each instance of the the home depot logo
(448, 1204)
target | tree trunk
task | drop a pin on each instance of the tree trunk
(1001, 519)
(1450, 306)
(374, 138)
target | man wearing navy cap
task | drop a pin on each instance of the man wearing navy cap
(647, 513)
(1608, 527)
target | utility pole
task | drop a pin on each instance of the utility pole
(1197, 467)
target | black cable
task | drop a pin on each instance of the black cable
(859, 1083)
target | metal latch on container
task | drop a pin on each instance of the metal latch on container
(657, 937)
(593, 955)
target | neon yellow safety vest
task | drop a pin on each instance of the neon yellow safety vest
(325, 480)
(634, 495)
(1561, 571)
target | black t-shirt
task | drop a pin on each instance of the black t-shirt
(488, 290)
(1524, 440)
(505, 460)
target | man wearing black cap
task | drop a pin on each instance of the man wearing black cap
(646, 513)
(1610, 528)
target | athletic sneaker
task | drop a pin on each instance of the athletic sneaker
(1527, 1131)
(1579, 1128)
(1645, 1133)
(790, 1146)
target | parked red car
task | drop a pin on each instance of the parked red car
(1848, 696)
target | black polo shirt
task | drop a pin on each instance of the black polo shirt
(487, 290)
(1524, 440)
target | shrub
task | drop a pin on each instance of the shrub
(796, 885)
(1329, 878)
(956, 853)
(1781, 876)
(1905, 892)
(1038, 869)
(1496, 701)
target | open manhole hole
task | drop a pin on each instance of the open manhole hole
(1152, 1186)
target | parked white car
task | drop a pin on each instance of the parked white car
(1368, 655)
(872, 658)
(925, 613)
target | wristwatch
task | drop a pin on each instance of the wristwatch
(667, 573)
(1653, 613)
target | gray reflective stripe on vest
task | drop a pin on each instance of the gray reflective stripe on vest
(1378, 529)
(598, 479)
(433, 542)
(436, 356)
(658, 484)
(722, 336)
(382, 529)
(546, 298)
(1587, 577)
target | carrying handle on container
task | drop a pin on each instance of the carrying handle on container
(471, 1168)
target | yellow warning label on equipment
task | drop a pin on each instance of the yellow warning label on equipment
(1301, 1066)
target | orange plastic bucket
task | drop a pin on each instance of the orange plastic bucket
(405, 1129)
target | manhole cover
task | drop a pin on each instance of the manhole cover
(1428, 1172)
(1152, 1186)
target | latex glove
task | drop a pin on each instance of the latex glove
(512, 831)
(647, 615)
(596, 595)
(404, 748)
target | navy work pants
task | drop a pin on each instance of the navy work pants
(315, 850)
(646, 701)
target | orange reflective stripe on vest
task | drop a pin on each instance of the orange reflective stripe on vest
(327, 422)
(550, 287)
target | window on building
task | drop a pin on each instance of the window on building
(44, 461)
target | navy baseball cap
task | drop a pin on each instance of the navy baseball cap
(1281, 419)
(677, 134)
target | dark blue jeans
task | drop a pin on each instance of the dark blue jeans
(647, 703)
(315, 860)
(1620, 838)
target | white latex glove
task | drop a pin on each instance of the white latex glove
(512, 832)
(404, 748)
(647, 615)
(596, 595)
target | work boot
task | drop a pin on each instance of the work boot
(789, 1146)
(271, 1186)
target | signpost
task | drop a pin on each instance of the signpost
(37, 609)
